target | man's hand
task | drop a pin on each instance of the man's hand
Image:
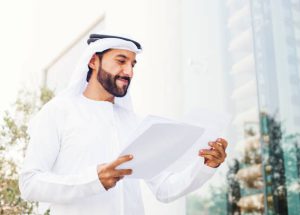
(216, 155)
(109, 175)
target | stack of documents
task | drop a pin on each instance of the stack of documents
(159, 144)
(156, 144)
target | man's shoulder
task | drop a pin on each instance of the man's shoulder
(57, 105)
(54, 110)
(52, 113)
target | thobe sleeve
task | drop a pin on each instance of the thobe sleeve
(36, 181)
(169, 186)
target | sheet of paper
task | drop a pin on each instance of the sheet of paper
(157, 143)
(214, 124)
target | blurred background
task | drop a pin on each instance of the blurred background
(235, 56)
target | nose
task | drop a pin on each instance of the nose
(128, 70)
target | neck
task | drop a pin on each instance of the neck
(95, 91)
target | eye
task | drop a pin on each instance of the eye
(121, 61)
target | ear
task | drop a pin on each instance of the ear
(94, 62)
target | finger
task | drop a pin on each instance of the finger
(212, 152)
(120, 160)
(223, 142)
(123, 172)
(111, 174)
(211, 158)
(119, 178)
(214, 143)
(212, 164)
(217, 146)
(208, 157)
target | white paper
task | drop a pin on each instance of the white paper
(213, 123)
(157, 143)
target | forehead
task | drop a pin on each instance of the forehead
(120, 53)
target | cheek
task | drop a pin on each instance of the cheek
(111, 68)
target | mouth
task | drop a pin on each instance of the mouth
(123, 80)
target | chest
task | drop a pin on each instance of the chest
(96, 136)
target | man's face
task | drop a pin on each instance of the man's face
(116, 70)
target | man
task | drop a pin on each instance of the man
(72, 159)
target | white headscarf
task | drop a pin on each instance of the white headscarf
(78, 81)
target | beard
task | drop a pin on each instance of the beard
(109, 83)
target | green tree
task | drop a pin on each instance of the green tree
(13, 142)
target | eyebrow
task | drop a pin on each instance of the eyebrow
(124, 56)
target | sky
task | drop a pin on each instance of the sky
(23, 26)
(16, 21)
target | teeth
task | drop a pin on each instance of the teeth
(122, 79)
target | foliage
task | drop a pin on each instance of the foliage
(13, 142)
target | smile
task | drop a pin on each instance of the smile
(122, 80)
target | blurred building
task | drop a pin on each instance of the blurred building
(265, 44)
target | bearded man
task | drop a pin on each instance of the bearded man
(72, 159)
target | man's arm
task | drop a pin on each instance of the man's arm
(36, 181)
(169, 186)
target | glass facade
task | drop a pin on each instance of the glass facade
(261, 50)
